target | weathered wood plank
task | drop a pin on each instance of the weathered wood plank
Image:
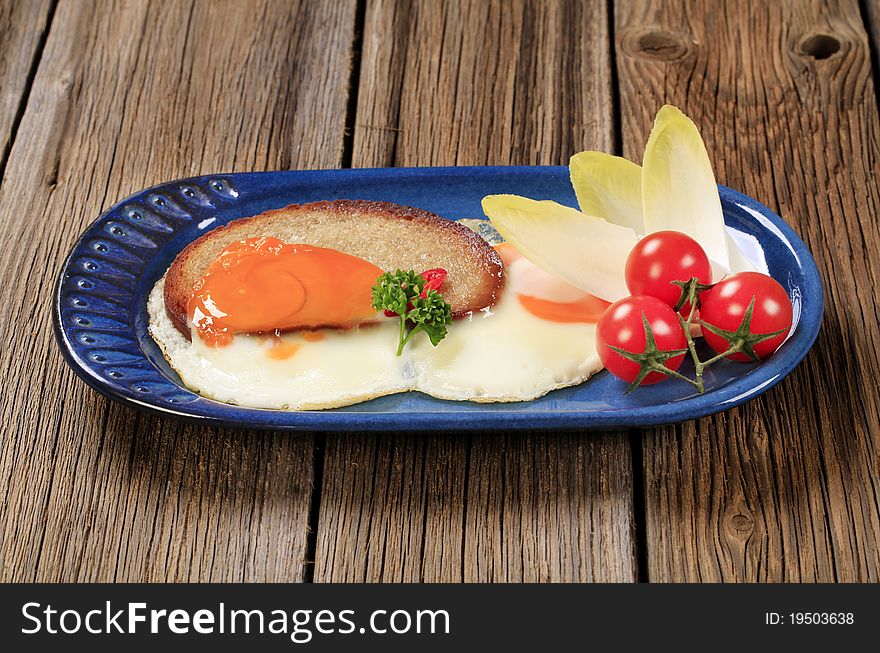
(128, 94)
(786, 488)
(531, 84)
(22, 25)
(872, 8)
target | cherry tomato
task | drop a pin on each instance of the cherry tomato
(621, 326)
(725, 306)
(662, 257)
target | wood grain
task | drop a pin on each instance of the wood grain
(872, 16)
(468, 83)
(22, 25)
(787, 487)
(129, 94)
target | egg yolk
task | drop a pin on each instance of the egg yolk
(281, 351)
(588, 309)
(581, 307)
(263, 284)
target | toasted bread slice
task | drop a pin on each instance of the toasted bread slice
(387, 235)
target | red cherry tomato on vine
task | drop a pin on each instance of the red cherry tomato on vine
(726, 304)
(622, 326)
(662, 257)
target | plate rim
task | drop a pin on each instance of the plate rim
(650, 415)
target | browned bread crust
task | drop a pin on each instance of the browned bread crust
(388, 235)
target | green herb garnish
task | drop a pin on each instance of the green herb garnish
(418, 308)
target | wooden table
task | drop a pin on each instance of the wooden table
(98, 100)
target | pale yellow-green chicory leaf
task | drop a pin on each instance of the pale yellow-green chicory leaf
(678, 186)
(587, 252)
(608, 187)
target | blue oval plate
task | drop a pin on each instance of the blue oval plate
(101, 324)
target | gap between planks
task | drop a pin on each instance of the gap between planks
(26, 91)
(639, 518)
(320, 444)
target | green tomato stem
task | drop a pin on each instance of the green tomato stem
(699, 366)
(692, 347)
(677, 375)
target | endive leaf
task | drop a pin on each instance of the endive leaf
(738, 260)
(608, 187)
(678, 185)
(585, 251)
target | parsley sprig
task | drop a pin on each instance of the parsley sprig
(417, 308)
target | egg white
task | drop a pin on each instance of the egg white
(506, 353)
(344, 368)
(503, 353)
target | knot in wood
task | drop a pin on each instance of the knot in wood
(818, 45)
(655, 43)
(742, 523)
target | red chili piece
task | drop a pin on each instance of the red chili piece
(434, 279)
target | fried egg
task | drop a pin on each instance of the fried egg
(539, 336)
